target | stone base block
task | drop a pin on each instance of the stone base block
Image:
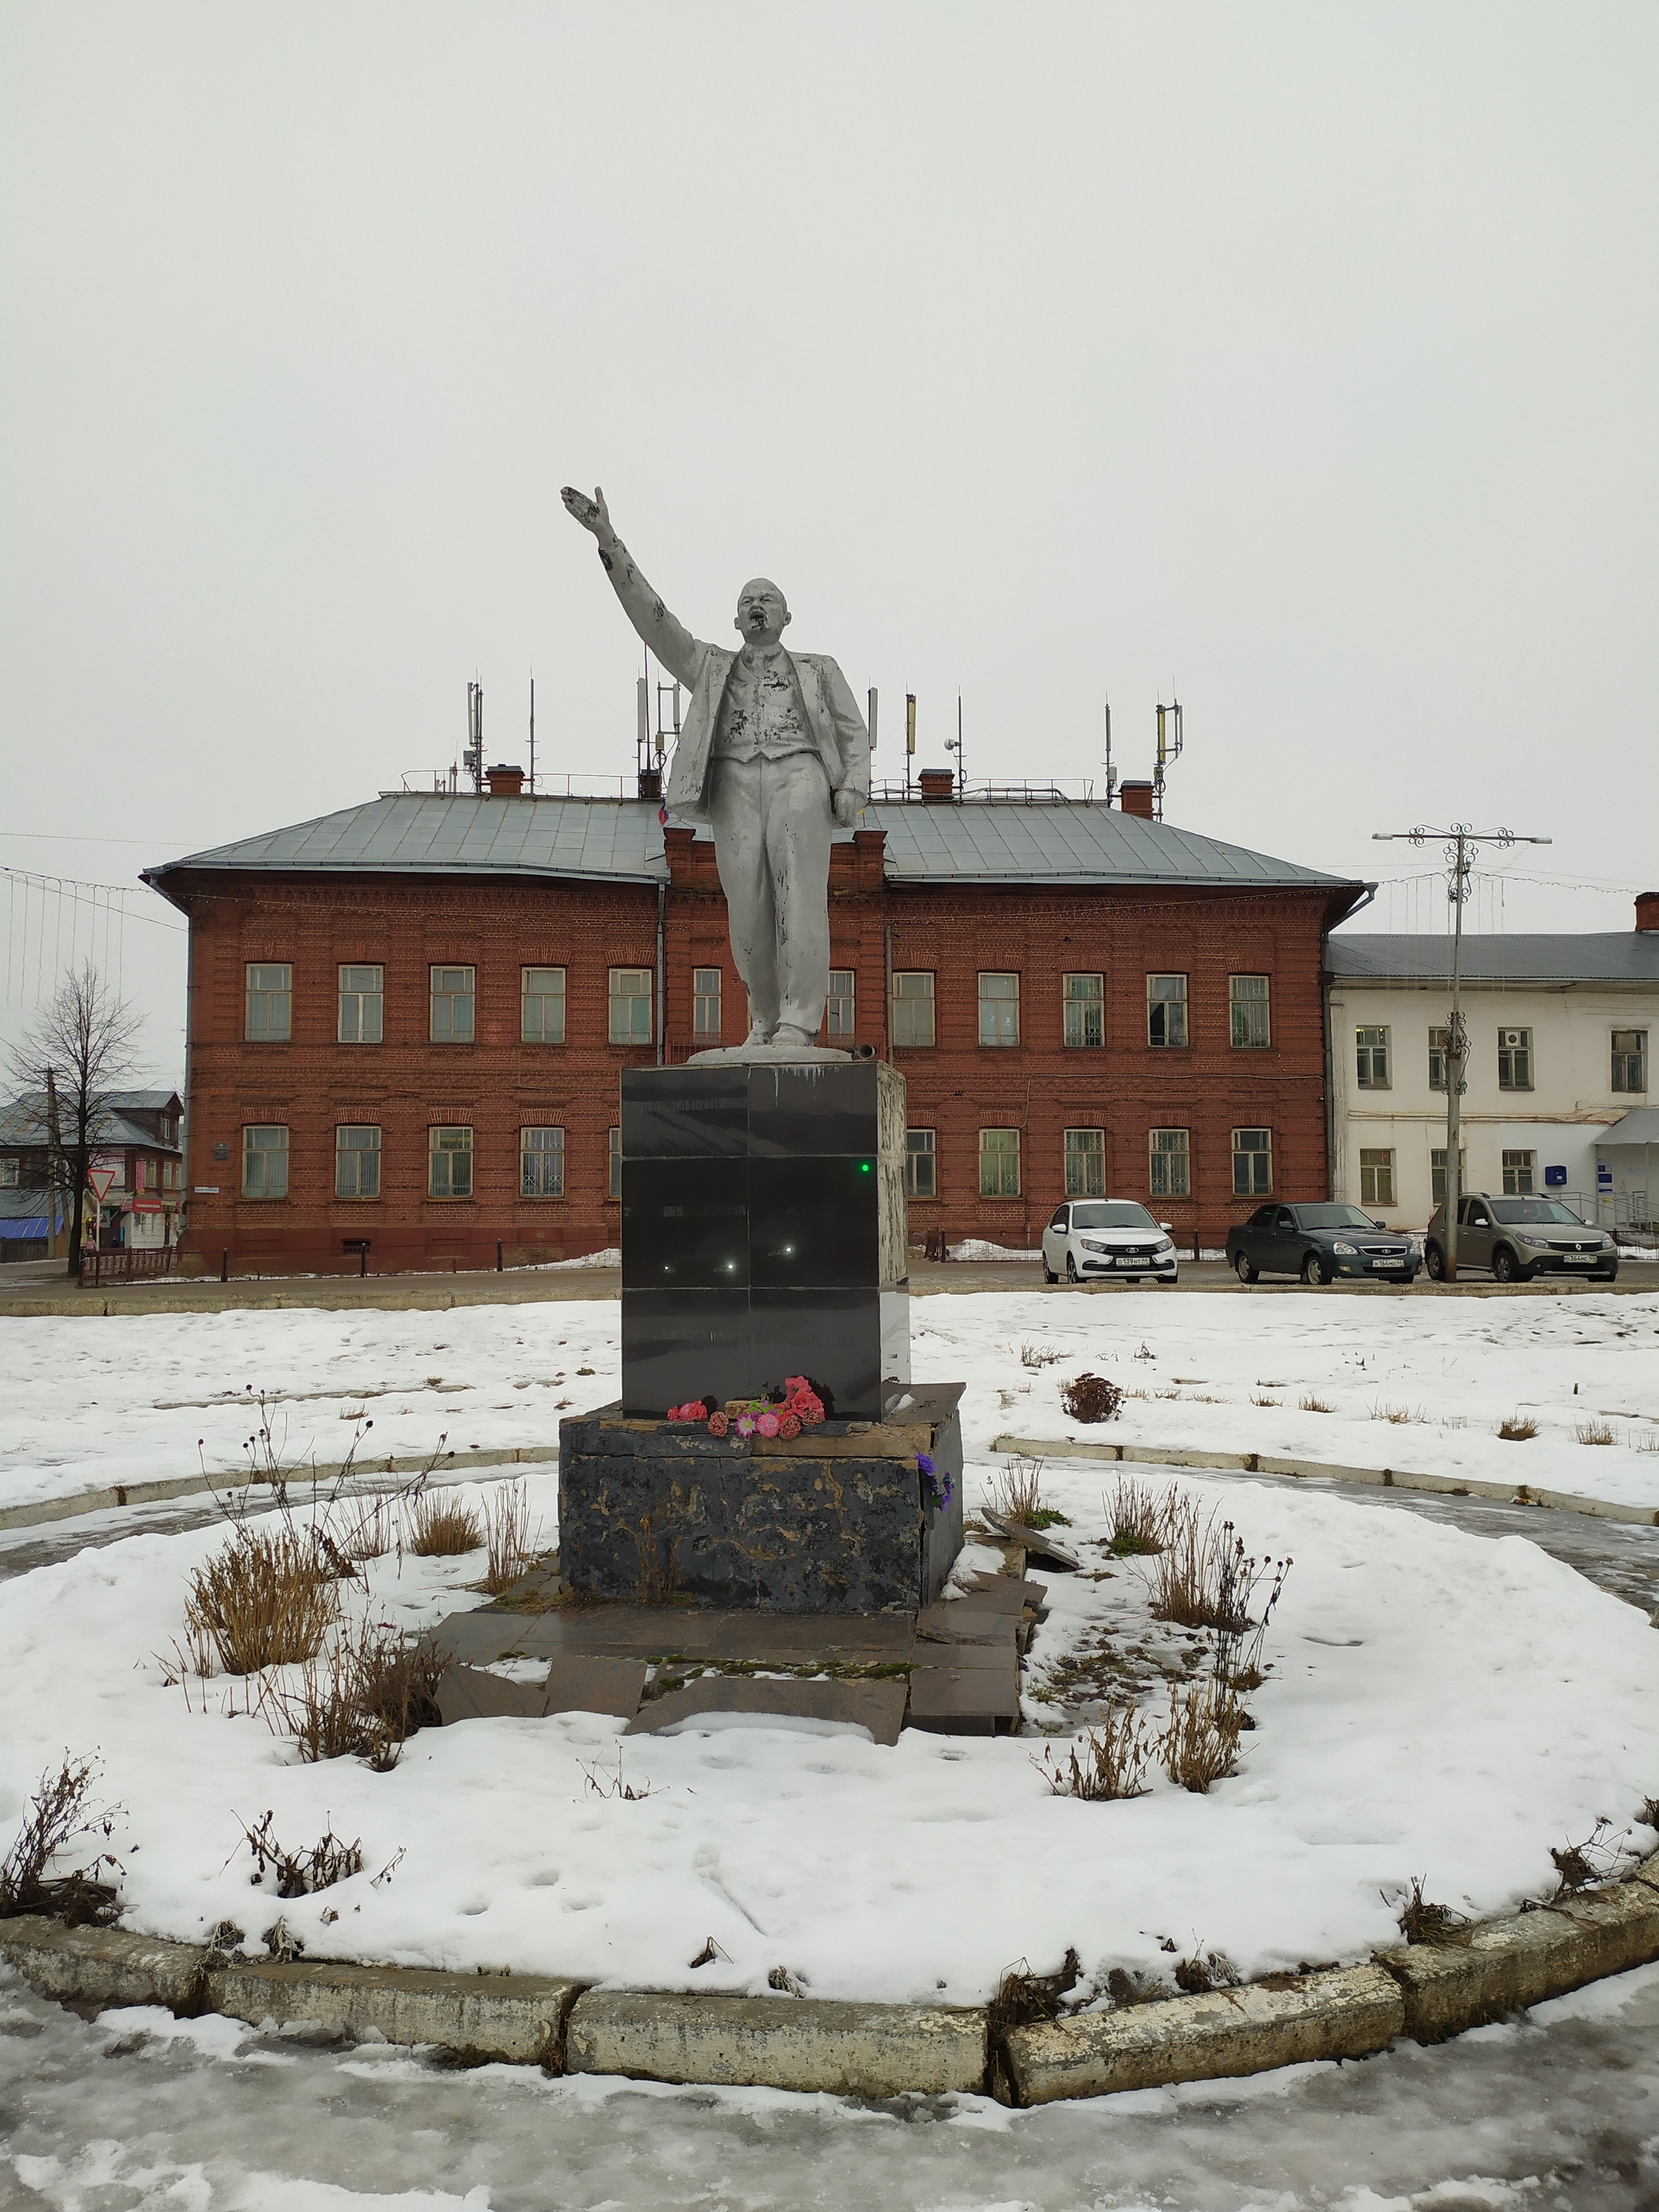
(779, 2043)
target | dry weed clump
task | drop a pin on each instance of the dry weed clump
(1035, 1357)
(1200, 1744)
(1595, 1432)
(362, 1698)
(302, 1873)
(1022, 1998)
(1309, 1404)
(1517, 1429)
(371, 1528)
(1115, 1755)
(1205, 1971)
(442, 1528)
(267, 1598)
(58, 1815)
(1019, 1493)
(1256, 1399)
(1091, 1398)
(507, 1537)
(1422, 1922)
(1398, 1415)
(1140, 1520)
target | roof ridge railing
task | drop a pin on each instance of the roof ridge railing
(1080, 792)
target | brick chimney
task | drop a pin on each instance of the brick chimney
(1647, 909)
(505, 783)
(936, 785)
(1136, 799)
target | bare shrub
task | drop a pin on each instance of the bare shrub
(507, 1537)
(1140, 1519)
(1398, 1415)
(1091, 1398)
(1108, 1762)
(609, 1786)
(1595, 1432)
(267, 1598)
(362, 1698)
(1022, 1998)
(1200, 1744)
(1580, 1866)
(1037, 1356)
(1204, 1970)
(370, 1527)
(1257, 1401)
(57, 1816)
(1517, 1429)
(1019, 1493)
(302, 1873)
(1422, 1922)
(441, 1527)
(1309, 1404)
(1649, 1443)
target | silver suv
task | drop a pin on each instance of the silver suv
(1515, 1238)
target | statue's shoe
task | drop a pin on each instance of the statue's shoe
(758, 1034)
(787, 1033)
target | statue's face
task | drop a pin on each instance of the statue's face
(761, 612)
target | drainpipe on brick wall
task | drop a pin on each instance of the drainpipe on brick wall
(887, 999)
(662, 1010)
(1330, 1048)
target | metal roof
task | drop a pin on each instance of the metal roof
(620, 840)
(1639, 1127)
(1630, 956)
(23, 1121)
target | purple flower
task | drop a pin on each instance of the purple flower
(924, 1464)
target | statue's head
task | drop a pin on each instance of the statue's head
(763, 611)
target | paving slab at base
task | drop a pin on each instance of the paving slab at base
(781, 2043)
(1346, 2015)
(876, 1707)
(1504, 1965)
(572, 1685)
(964, 1700)
(504, 2016)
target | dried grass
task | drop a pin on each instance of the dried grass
(507, 1537)
(1254, 1400)
(1649, 1443)
(57, 1816)
(370, 1527)
(304, 1872)
(1309, 1404)
(1517, 1429)
(1018, 1495)
(1422, 1922)
(267, 1598)
(440, 1527)
(1398, 1415)
(1108, 1762)
(1595, 1432)
(1038, 1356)
(1200, 1744)
(362, 1698)
(1205, 1971)
(1140, 1519)
(1091, 1398)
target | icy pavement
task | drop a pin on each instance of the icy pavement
(136, 2112)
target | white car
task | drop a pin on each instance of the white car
(1107, 1237)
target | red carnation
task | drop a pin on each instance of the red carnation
(788, 1427)
(718, 1425)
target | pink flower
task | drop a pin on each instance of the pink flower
(789, 1427)
(746, 1425)
(718, 1425)
(768, 1424)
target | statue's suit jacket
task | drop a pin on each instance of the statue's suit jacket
(832, 714)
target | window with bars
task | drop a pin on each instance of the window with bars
(912, 1016)
(541, 1162)
(1086, 1163)
(449, 1162)
(1166, 1010)
(1630, 1060)
(362, 1005)
(999, 1009)
(541, 1006)
(269, 1001)
(1439, 1048)
(1253, 1162)
(1377, 1175)
(264, 1161)
(1514, 1059)
(454, 991)
(1371, 1052)
(1248, 998)
(1519, 1170)
(998, 1162)
(1171, 1162)
(838, 1010)
(630, 1006)
(705, 1002)
(357, 1161)
(921, 1163)
(1438, 1173)
(1083, 1000)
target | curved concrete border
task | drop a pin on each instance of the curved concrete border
(1379, 1478)
(1427, 1991)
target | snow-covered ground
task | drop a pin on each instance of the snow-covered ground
(85, 1402)
(1439, 1704)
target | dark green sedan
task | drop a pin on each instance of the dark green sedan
(1322, 1244)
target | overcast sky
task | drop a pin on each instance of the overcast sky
(1299, 360)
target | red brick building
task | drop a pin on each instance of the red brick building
(407, 1020)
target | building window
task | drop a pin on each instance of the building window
(264, 1162)
(1377, 1176)
(452, 993)
(363, 1004)
(1171, 1162)
(541, 1162)
(614, 1186)
(1630, 1060)
(1438, 1174)
(838, 1008)
(998, 1162)
(630, 1006)
(705, 1002)
(1519, 1169)
(449, 1164)
(356, 1162)
(1086, 1163)
(1166, 1010)
(913, 1007)
(1439, 1048)
(1249, 998)
(1514, 1059)
(1083, 998)
(999, 1009)
(1371, 1059)
(269, 1001)
(8, 1174)
(541, 1018)
(921, 1162)
(1253, 1162)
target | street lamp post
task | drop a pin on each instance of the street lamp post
(1461, 842)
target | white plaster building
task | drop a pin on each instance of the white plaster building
(1561, 1034)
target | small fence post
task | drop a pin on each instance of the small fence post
(362, 1257)
(224, 1266)
(498, 1255)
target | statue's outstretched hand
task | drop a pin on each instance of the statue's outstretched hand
(848, 806)
(593, 514)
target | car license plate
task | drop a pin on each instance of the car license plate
(1578, 1259)
(1387, 1263)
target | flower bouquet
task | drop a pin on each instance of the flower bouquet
(780, 1413)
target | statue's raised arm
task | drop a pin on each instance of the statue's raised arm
(672, 643)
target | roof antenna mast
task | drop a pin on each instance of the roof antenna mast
(1111, 773)
(533, 729)
(1168, 750)
(472, 758)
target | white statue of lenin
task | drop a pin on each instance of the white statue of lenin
(773, 753)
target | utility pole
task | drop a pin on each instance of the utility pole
(1461, 843)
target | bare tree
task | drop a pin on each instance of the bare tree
(79, 1050)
